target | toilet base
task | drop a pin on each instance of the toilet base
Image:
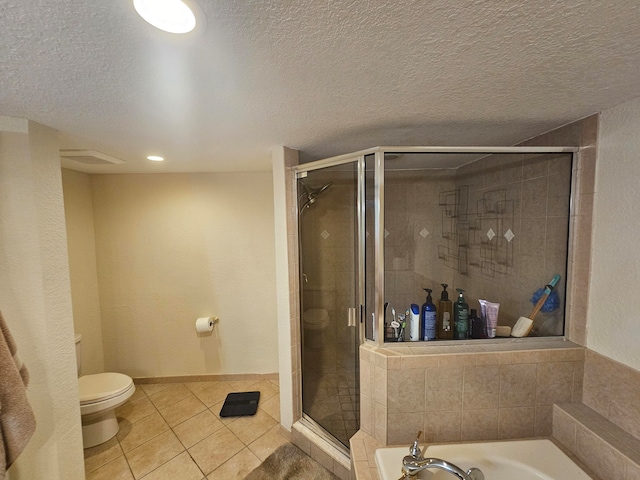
(99, 429)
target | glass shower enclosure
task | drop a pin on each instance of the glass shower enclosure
(330, 278)
(377, 227)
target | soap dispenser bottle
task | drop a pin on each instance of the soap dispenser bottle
(429, 321)
(445, 315)
(461, 316)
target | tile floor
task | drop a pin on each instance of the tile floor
(173, 431)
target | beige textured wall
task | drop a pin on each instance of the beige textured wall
(35, 297)
(174, 247)
(78, 211)
(613, 327)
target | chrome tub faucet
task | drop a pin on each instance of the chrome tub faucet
(414, 463)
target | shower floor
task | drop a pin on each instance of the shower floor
(330, 390)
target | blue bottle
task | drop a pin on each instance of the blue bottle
(428, 318)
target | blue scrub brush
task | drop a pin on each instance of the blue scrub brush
(552, 302)
(524, 324)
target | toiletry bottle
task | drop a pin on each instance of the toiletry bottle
(429, 322)
(461, 316)
(445, 315)
(414, 323)
(478, 325)
(473, 313)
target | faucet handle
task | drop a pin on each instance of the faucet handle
(475, 474)
(414, 449)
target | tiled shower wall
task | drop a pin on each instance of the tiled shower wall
(514, 232)
(613, 390)
(466, 396)
(413, 229)
(604, 430)
(329, 236)
(291, 160)
(415, 247)
(583, 133)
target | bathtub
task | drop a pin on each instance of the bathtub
(509, 460)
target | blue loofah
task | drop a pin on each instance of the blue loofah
(550, 304)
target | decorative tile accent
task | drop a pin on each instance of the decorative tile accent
(509, 235)
(491, 234)
(325, 234)
(424, 232)
(386, 233)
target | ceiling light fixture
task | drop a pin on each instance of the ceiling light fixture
(172, 16)
(155, 158)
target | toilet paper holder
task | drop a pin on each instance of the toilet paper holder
(205, 324)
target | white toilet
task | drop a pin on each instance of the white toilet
(100, 395)
(314, 321)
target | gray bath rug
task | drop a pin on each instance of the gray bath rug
(288, 462)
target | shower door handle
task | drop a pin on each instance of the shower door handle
(352, 319)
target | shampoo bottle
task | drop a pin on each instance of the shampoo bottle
(445, 315)
(429, 322)
(461, 316)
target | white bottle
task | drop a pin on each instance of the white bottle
(414, 325)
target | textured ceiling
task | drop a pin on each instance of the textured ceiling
(325, 77)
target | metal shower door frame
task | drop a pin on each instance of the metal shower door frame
(357, 313)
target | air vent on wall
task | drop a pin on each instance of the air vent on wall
(89, 157)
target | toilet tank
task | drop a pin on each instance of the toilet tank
(78, 362)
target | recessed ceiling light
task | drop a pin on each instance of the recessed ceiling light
(155, 158)
(172, 16)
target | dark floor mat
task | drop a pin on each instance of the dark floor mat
(240, 404)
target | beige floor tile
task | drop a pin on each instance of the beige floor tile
(272, 407)
(216, 449)
(117, 469)
(99, 455)
(135, 411)
(237, 467)
(181, 467)
(267, 443)
(197, 428)
(170, 395)
(155, 452)
(241, 385)
(251, 427)
(138, 394)
(210, 393)
(182, 410)
(132, 435)
(266, 388)
(151, 388)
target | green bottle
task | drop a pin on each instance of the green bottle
(461, 316)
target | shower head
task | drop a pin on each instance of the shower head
(311, 194)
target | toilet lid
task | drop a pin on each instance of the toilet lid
(102, 386)
(315, 316)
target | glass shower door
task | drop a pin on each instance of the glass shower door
(330, 311)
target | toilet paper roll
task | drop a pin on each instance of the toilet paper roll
(204, 324)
